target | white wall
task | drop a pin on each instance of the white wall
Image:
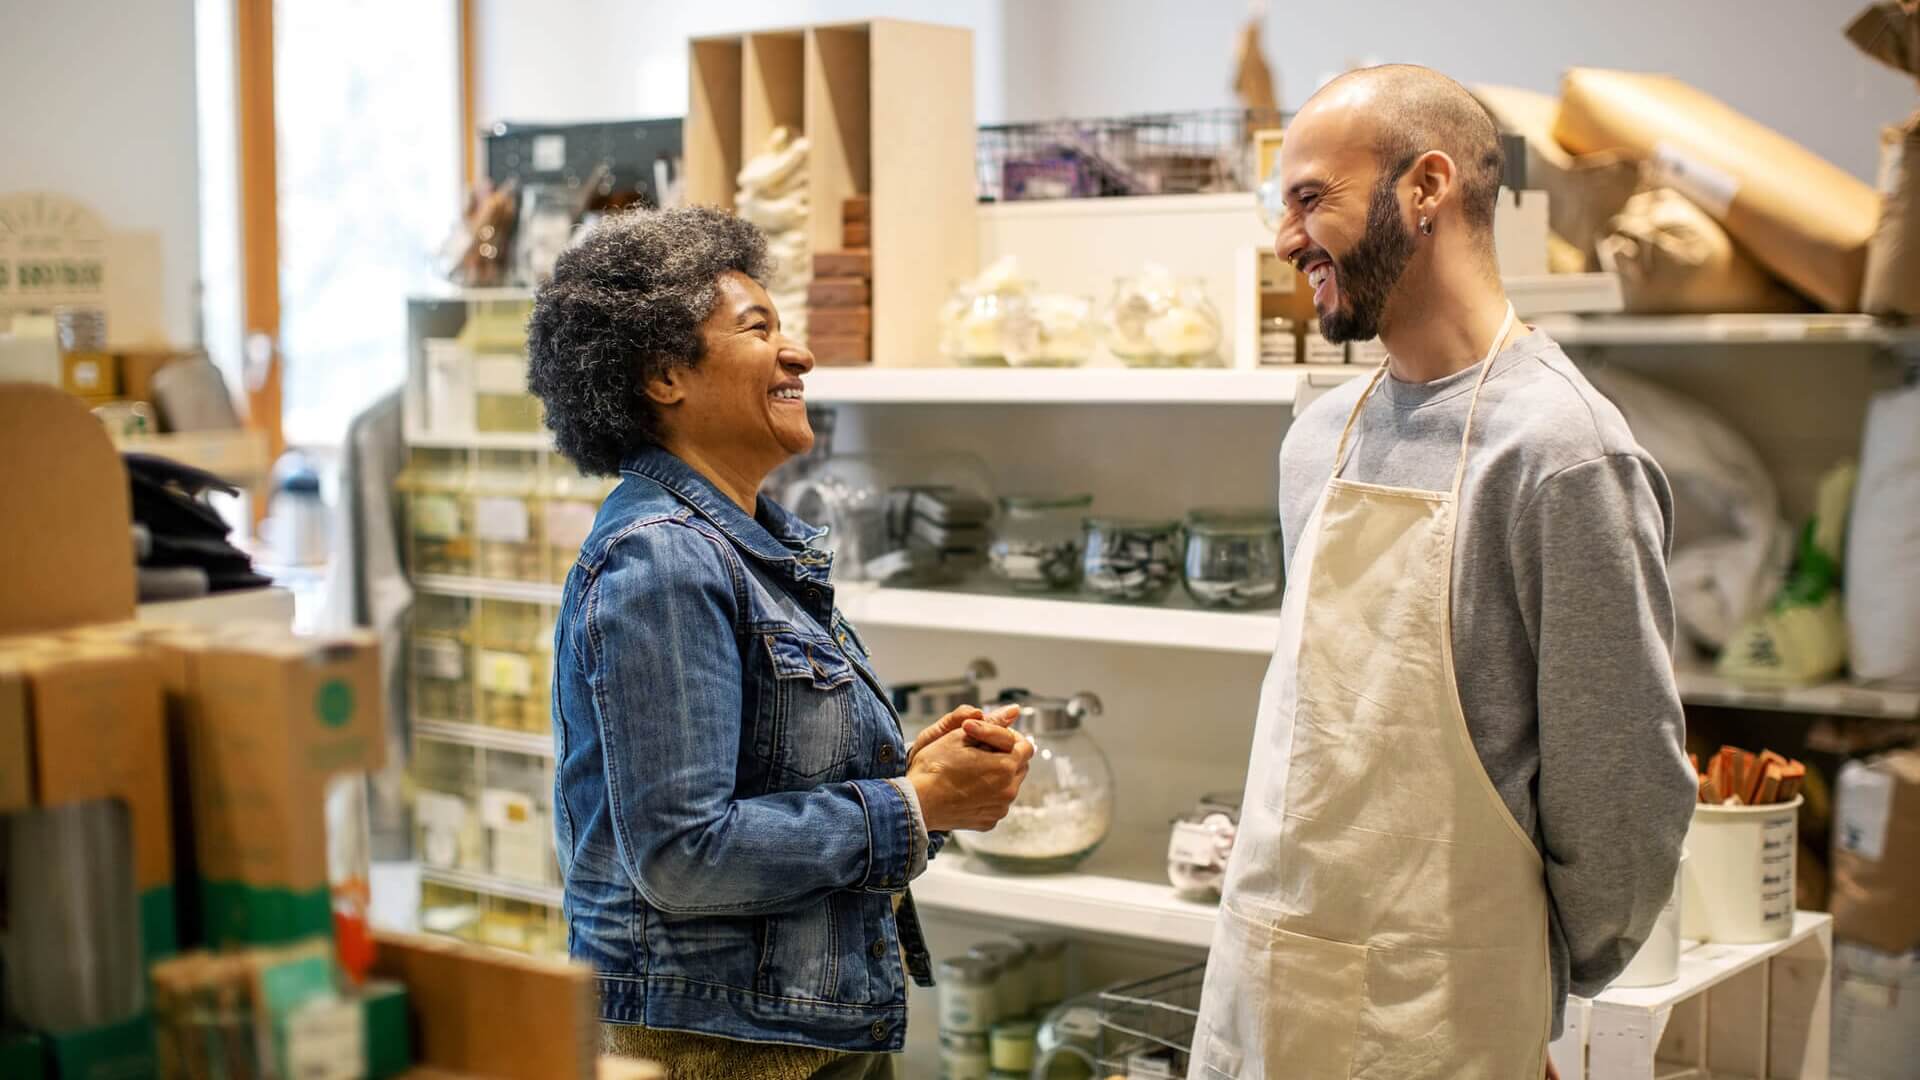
(1783, 62)
(538, 61)
(101, 109)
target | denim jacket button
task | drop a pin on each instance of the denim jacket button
(879, 1031)
(879, 949)
(886, 754)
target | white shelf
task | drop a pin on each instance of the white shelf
(1062, 386)
(1081, 902)
(497, 440)
(490, 885)
(525, 592)
(1071, 620)
(218, 609)
(1701, 687)
(1703, 967)
(514, 742)
(1723, 330)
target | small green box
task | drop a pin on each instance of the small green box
(122, 1051)
(389, 1029)
(23, 1056)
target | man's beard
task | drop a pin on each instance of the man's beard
(1368, 273)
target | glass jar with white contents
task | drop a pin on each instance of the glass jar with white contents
(1051, 330)
(1036, 543)
(1065, 807)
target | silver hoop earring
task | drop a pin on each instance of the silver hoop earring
(1426, 226)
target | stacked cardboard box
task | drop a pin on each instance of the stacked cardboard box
(840, 300)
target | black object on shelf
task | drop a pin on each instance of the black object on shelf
(641, 157)
(179, 538)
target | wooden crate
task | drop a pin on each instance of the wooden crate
(1754, 1012)
(887, 106)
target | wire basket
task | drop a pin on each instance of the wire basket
(1176, 153)
(1146, 1027)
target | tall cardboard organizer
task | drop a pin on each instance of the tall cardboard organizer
(888, 109)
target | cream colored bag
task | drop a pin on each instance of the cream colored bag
(1674, 259)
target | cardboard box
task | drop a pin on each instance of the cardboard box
(90, 375)
(276, 718)
(1876, 852)
(481, 1011)
(1800, 216)
(94, 729)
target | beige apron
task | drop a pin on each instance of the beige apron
(1384, 916)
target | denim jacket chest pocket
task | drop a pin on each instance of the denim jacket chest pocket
(807, 723)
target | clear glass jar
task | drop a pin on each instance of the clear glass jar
(1067, 1045)
(916, 518)
(1131, 559)
(1200, 844)
(1234, 559)
(1065, 807)
(1051, 330)
(1036, 544)
(1157, 320)
(1013, 988)
(439, 512)
(981, 314)
(968, 1001)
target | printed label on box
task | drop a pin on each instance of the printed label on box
(438, 658)
(506, 673)
(501, 809)
(549, 153)
(1712, 188)
(1862, 810)
(436, 517)
(502, 521)
(569, 523)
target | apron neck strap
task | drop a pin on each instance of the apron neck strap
(1466, 434)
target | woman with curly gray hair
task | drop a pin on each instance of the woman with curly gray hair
(737, 811)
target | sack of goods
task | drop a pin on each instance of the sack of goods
(1803, 218)
(1674, 259)
(1883, 545)
(1802, 638)
(1890, 33)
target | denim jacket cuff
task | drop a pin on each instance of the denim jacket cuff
(922, 840)
(896, 838)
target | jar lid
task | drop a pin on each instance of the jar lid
(1018, 504)
(969, 969)
(1132, 524)
(1003, 953)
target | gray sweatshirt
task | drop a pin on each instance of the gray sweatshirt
(1562, 624)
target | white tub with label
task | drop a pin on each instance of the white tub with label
(1658, 961)
(1738, 878)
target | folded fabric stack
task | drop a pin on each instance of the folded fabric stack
(773, 195)
(180, 541)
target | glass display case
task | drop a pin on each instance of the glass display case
(439, 511)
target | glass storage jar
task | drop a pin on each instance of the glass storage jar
(1065, 807)
(1158, 320)
(512, 665)
(441, 647)
(507, 518)
(1131, 559)
(439, 511)
(1036, 543)
(1200, 844)
(1051, 330)
(1234, 559)
(904, 517)
(1067, 1044)
(1047, 966)
(1013, 987)
(975, 320)
(968, 1001)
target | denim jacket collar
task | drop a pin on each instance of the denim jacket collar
(772, 534)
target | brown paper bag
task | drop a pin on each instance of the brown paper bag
(1889, 31)
(1893, 258)
(1673, 259)
(1584, 192)
(1798, 215)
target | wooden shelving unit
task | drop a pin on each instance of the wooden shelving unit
(839, 84)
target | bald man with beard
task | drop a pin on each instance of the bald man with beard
(1468, 789)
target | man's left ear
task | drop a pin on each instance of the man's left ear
(1434, 175)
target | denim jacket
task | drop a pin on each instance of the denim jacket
(730, 811)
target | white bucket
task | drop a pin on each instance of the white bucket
(1739, 880)
(1658, 961)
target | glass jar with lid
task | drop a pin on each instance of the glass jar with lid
(1013, 989)
(1065, 807)
(968, 1001)
(1131, 559)
(1036, 543)
(1201, 842)
(1234, 559)
(1158, 320)
(975, 320)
